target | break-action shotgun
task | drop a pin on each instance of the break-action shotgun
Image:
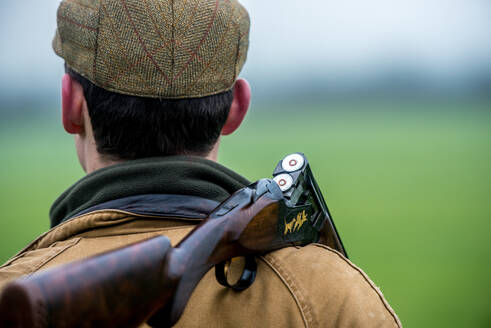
(151, 281)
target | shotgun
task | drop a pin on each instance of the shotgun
(151, 281)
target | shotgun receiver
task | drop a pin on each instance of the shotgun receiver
(152, 281)
(296, 181)
(305, 216)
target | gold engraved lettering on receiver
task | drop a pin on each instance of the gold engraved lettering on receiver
(295, 224)
(289, 226)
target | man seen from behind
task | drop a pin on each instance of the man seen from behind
(150, 88)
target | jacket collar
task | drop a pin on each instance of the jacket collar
(131, 184)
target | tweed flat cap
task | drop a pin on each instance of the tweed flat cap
(154, 48)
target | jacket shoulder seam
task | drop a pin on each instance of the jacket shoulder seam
(55, 254)
(367, 279)
(156, 232)
(39, 265)
(288, 280)
(41, 240)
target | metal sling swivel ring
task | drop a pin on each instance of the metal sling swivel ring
(245, 280)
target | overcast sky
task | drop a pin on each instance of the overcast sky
(346, 37)
(341, 40)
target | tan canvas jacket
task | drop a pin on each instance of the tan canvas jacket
(312, 286)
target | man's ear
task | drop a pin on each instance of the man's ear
(72, 102)
(240, 105)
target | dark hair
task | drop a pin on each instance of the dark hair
(131, 127)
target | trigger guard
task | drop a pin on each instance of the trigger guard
(246, 279)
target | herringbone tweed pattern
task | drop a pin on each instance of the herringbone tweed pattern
(155, 48)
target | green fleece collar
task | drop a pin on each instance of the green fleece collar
(178, 175)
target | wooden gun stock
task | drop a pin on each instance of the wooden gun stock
(149, 280)
(119, 288)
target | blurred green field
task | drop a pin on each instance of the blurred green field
(408, 186)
